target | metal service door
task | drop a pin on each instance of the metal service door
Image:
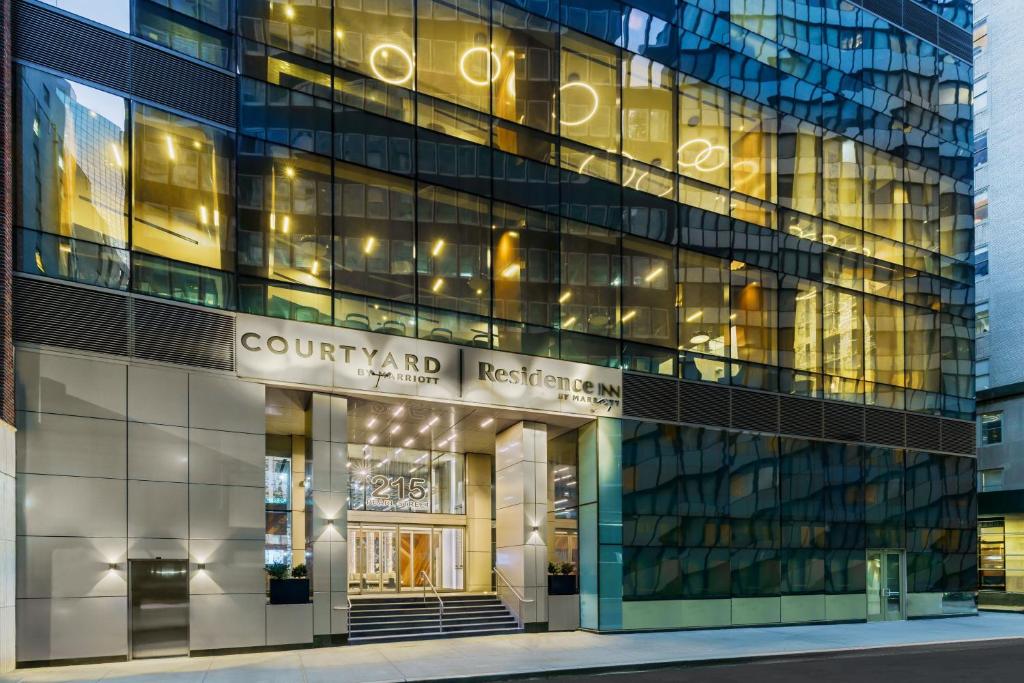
(158, 623)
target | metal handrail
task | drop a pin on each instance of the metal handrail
(348, 613)
(440, 602)
(522, 599)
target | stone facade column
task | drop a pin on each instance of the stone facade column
(329, 432)
(521, 474)
(479, 555)
(600, 519)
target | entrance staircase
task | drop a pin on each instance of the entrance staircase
(384, 619)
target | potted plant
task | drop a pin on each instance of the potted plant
(562, 578)
(284, 590)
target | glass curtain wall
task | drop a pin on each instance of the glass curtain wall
(604, 140)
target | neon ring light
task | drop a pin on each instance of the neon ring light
(476, 81)
(400, 50)
(593, 109)
(701, 158)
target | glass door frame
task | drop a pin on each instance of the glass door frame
(884, 593)
(396, 530)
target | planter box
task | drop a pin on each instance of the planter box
(289, 591)
(562, 584)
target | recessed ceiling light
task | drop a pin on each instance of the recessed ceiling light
(408, 442)
(373, 439)
(398, 411)
(372, 422)
(487, 422)
(396, 429)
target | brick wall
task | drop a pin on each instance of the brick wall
(6, 217)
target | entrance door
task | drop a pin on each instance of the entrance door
(886, 584)
(158, 591)
(414, 550)
(372, 562)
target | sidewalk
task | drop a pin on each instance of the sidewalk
(544, 653)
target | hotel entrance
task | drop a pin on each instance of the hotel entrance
(392, 558)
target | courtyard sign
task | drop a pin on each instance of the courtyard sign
(342, 358)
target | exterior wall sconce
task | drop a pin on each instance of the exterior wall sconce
(113, 566)
(200, 566)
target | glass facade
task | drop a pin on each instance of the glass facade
(709, 513)
(749, 193)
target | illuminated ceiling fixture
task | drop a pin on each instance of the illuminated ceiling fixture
(438, 246)
(289, 171)
(565, 297)
(629, 316)
(702, 157)
(809, 295)
(408, 442)
(699, 339)
(438, 284)
(694, 317)
(117, 155)
(487, 422)
(569, 322)
(593, 109)
(398, 411)
(495, 61)
(339, 34)
(373, 439)
(204, 216)
(510, 271)
(383, 50)
(396, 429)
(171, 154)
(370, 243)
(289, 11)
(653, 274)
(372, 422)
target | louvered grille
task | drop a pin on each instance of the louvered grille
(844, 422)
(176, 334)
(958, 436)
(923, 432)
(703, 404)
(920, 21)
(884, 427)
(755, 411)
(649, 397)
(73, 317)
(801, 416)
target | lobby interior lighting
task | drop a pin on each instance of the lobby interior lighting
(494, 67)
(289, 11)
(438, 246)
(398, 411)
(408, 442)
(694, 317)
(565, 296)
(593, 109)
(487, 422)
(372, 422)
(171, 154)
(396, 429)
(699, 339)
(653, 274)
(510, 271)
(569, 322)
(371, 242)
(383, 49)
(629, 316)
(438, 284)
(373, 438)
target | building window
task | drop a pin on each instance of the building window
(981, 149)
(990, 480)
(980, 38)
(981, 262)
(980, 207)
(981, 321)
(980, 95)
(991, 428)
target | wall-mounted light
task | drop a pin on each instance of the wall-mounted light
(535, 528)
(113, 566)
(200, 566)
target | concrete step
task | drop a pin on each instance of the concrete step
(356, 640)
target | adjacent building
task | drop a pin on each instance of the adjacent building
(998, 270)
(558, 314)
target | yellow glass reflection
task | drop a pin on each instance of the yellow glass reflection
(183, 189)
(703, 302)
(375, 38)
(754, 314)
(526, 82)
(647, 120)
(454, 58)
(800, 166)
(842, 322)
(588, 93)
(883, 341)
(842, 186)
(884, 194)
(703, 150)
(753, 130)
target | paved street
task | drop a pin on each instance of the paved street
(991, 661)
(522, 655)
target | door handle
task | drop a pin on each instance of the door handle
(892, 594)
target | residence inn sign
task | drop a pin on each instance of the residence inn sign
(341, 358)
